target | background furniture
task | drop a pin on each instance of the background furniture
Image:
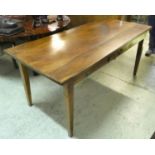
(30, 31)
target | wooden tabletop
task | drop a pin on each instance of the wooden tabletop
(65, 55)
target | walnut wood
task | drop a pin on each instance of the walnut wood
(65, 55)
(138, 56)
(26, 82)
(68, 93)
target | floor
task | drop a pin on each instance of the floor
(108, 104)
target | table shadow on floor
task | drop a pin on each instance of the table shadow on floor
(93, 104)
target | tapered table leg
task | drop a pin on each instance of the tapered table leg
(138, 56)
(68, 92)
(26, 82)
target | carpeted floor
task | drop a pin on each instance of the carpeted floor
(108, 104)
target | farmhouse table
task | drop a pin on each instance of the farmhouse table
(70, 56)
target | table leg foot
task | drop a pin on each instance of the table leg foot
(68, 93)
(26, 82)
(138, 57)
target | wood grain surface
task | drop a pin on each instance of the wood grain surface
(63, 56)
